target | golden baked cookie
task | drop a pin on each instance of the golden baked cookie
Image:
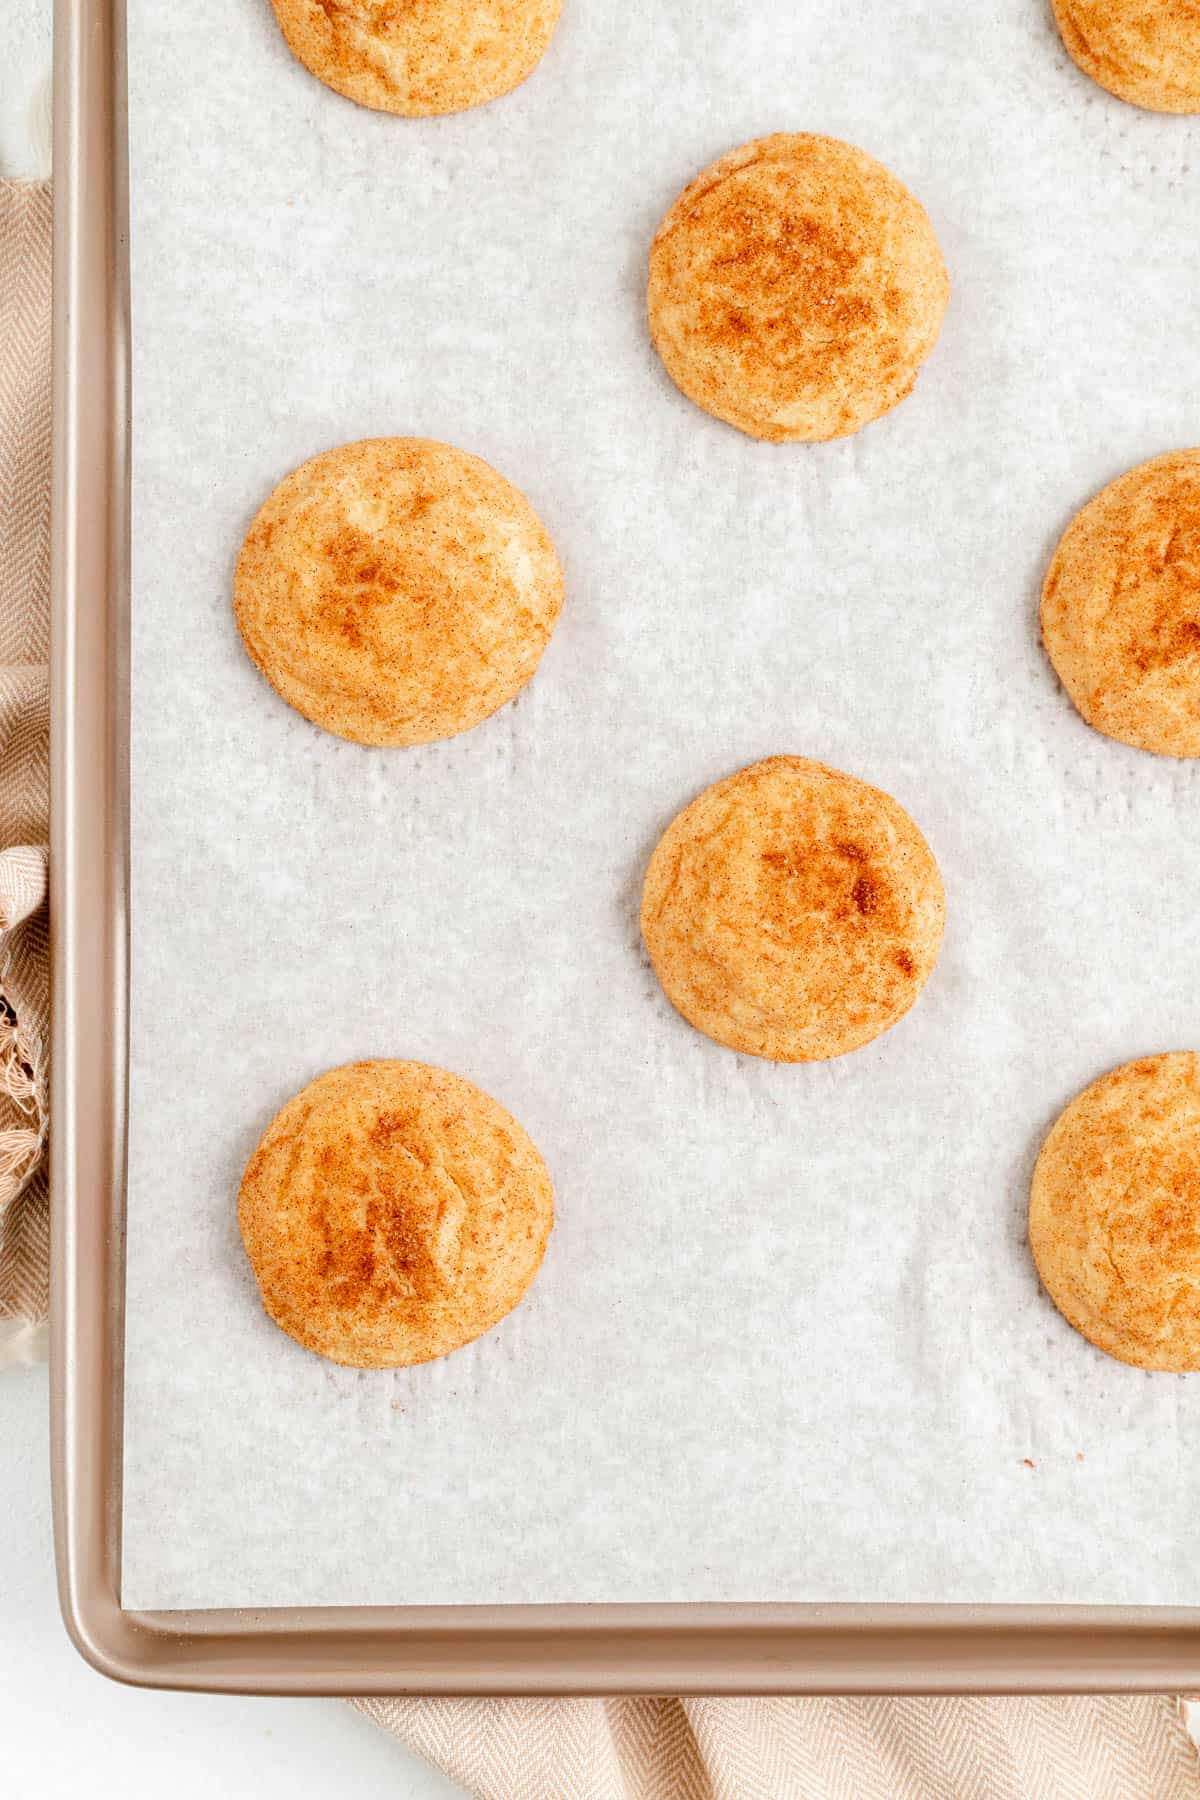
(391, 1213)
(796, 287)
(1144, 51)
(1114, 1212)
(1121, 607)
(419, 56)
(792, 912)
(397, 590)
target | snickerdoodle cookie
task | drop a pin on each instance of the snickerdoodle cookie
(397, 590)
(1114, 1212)
(392, 1212)
(1144, 51)
(792, 912)
(419, 56)
(1121, 607)
(796, 287)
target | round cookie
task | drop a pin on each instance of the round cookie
(1144, 51)
(419, 56)
(1114, 1212)
(792, 912)
(1121, 607)
(391, 1213)
(397, 590)
(796, 287)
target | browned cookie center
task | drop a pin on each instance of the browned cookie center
(393, 1212)
(795, 288)
(397, 590)
(1114, 1212)
(1121, 607)
(792, 912)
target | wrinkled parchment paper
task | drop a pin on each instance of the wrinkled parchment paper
(787, 1342)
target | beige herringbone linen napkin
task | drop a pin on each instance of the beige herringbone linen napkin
(1106, 1748)
(24, 762)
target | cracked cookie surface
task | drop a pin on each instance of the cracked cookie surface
(397, 590)
(1121, 607)
(795, 289)
(1144, 51)
(1114, 1212)
(419, 56)
(393, 1212)
(792, 911)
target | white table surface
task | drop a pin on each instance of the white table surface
(25, 89)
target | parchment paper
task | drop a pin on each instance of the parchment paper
(787, 1342)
